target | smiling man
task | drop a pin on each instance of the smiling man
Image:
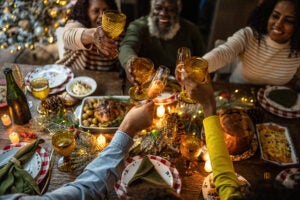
(158, 36)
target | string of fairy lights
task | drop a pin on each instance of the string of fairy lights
(26, 22)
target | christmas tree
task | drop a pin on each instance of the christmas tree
(26, 22)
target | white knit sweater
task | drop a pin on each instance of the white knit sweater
(77, 56)
(264, 63)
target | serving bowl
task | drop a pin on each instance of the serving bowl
(81, 87)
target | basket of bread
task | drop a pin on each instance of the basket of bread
(239, 131)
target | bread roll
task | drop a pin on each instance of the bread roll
(238, 130)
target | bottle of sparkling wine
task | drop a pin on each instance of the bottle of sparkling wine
(16, 100)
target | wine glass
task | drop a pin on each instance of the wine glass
(113, 23)
(190, 148)
(158, 82)
(197, 69)
(63, 142)
(40, 89)
(142, 71)
(183, 54)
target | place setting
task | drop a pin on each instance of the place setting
(147, 169)
(58, 77)
(35, 158)
(281, 101)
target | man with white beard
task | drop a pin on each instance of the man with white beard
(158, 36)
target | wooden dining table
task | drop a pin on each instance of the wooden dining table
(110, 83)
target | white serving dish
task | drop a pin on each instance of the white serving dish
(277, 145)
(85, 80)
(99, 129)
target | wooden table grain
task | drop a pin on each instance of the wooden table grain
(109, 83)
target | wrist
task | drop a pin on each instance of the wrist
(209, 109)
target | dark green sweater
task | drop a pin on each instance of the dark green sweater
(139, 42)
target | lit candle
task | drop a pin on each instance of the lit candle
(159, 123)
(14, 137)
(207, 166)
(160, 111)
(101, 141)
(6, 120)
(205, 156)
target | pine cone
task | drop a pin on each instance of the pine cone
(52, 103)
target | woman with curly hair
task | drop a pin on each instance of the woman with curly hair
(267, 50)
(84, 47)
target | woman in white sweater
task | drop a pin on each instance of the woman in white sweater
(84, 47)
(267, 50)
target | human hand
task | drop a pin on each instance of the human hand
(128, 70)
(138, 118)
(104, 44)
(201, 92)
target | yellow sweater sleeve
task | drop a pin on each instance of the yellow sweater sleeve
(224, 175)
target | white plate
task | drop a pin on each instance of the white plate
(56, 74)
(273, 137)
(120, 188)
(33, 166)
(209, 189)
(288, 177)
(85, 80)
(162, 169)
(294, 108)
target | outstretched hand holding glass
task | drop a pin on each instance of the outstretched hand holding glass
(113, 23)
(197, 69)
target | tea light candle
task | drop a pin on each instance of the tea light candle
(6, 120)
(207, 166)
(159, 123)
(101, 141)
(14, 137)
(160, 111)
(205, 156)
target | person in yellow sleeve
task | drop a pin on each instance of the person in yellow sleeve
(224, 175)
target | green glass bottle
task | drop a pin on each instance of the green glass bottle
(16, 100)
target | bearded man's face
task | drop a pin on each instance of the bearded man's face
(164, 16)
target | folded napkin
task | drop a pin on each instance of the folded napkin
(14, 179)
(147, 174)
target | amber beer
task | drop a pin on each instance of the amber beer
(113, 23)
(155, 89)
(197, 68)
(63, 142)
(158, 82)
(142, 70)
(40, 88)
(190, 147)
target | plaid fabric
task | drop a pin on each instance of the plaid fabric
(44, 156)
(274, 110)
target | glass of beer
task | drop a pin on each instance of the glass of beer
(142, 71)
(113, 23)
(40, 89)
(63, 142)
(190, 149)
(197, 69)
(158, 82)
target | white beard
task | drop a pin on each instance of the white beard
(154, 31)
